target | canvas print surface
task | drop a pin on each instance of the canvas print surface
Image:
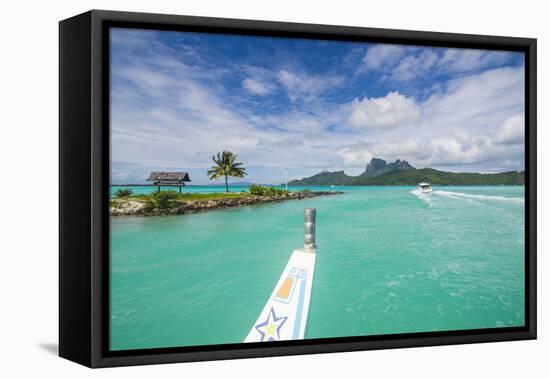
(266, 189)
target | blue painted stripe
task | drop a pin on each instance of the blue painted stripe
(299, 310)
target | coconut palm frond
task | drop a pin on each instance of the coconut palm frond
(226, 165)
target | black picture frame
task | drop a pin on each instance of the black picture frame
(84, 182)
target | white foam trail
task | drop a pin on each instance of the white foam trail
(447, 194)
(426, 197)
(479, 197)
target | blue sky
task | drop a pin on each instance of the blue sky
(308, 105)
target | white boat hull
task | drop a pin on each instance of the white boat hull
(284, 316)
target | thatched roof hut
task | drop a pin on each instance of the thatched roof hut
(169, 176)
(169, 179)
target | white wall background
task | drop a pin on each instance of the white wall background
(28, 189)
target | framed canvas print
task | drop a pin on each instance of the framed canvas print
(233, 188)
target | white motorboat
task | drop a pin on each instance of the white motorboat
(425, 187)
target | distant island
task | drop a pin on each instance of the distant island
(400, 172)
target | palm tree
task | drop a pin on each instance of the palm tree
(226, 165)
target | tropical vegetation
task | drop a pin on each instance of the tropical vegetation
(226, 165)
(258, 190)
(161, 200)
(121, 193)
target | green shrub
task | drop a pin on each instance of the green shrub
(258, 190)
(161, 200)
(306, 190)
(121, 193)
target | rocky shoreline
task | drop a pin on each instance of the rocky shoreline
(131, 206)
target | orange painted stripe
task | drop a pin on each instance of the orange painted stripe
(284, 290)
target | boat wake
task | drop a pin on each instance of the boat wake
(427, 197)
(477, 197)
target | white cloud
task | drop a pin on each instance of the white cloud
(384, 112)
(256, 87)
(180, 122)
(476, 102)
(466, 124)
(475, 122)
(448, 150)
(444, 151)
(406, 63)
(465, 60)
(380, 55)
(306, 87)
(412, 66)
(512, 131)
(357, 155)
(406, 147)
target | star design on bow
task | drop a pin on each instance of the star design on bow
(270, 328)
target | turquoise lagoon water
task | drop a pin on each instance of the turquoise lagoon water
(389, 261)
